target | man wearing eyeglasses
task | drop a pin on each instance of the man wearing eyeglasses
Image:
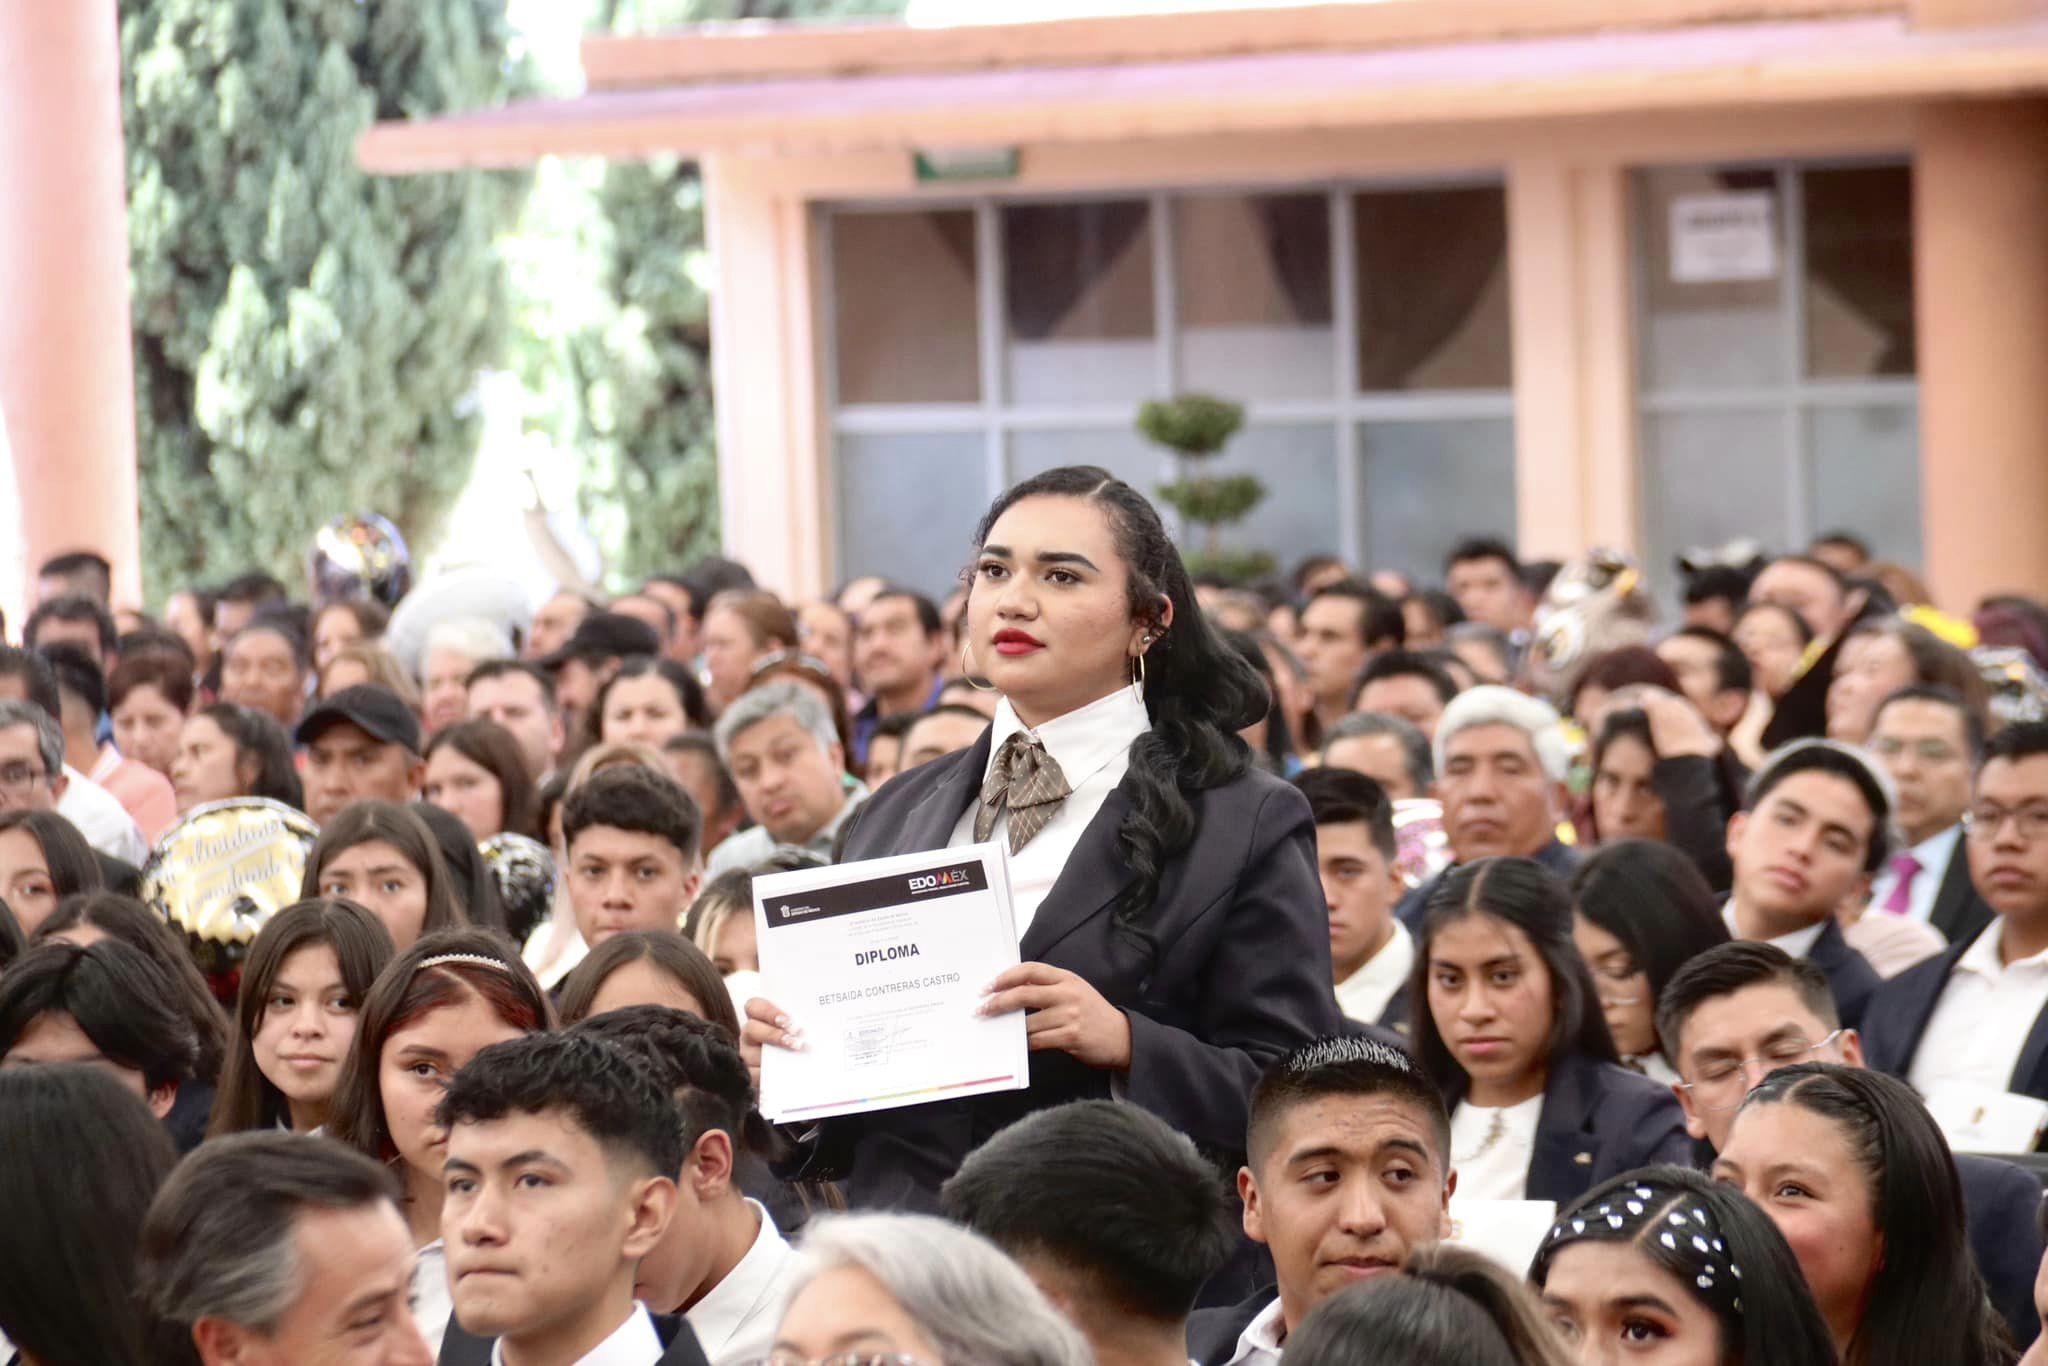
(1738, 1012)
(1928, 738)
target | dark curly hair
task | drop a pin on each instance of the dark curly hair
(629, 797)
(608, 1092)
(699, 1062)
(1199, 691)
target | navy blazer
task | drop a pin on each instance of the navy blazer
(1903, 1006)
(1958, 911)
(1232, 972)
(2000, 1202)
(1599, 1120)
(1850, 977)
(1213, 1333)
(463, 1349)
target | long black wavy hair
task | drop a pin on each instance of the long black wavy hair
(1199, 691)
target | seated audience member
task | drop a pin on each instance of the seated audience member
(1610, 672)
(1112, 1213)
(384, 858)
(84, 1158)
(1712, 672)
(810, 674)
(302, 988)
(693, 761)
(631, 836)
(1930, 741)
(544, 1272)
(1661, 772)
(722, 1263)
(361, 744)
(1347, 1175)
(1386, 749)
(1853, 1171)
(1714, 596)
(1488, 583)
(1371, 952)
(779, 743)
(188, 613)
(1428, 613)
(107, 1005)
(1342, 626)
(1773, 639)
(1407, 685)
(554, 621)
(470, 880)
(143, 793)
(1501, 763)
(521, 698)
(1882, 655)
(239, 601)
(1448, 1307)
(658, 616)
(1625, 801)
(588, 659)
(1670, 1265)
(264, 667)
(76, 571)
(911, 1287)
(475, 771)
(939, 732)
(899, 657)
(1270, 738)
(1641, 911)
(1843, 551)
(452, 652)
(355, 666)
(885, 746)
(431, 1010)
(1482, 653)
(1813, 828)
(148, 695)
(742, 626)
(721, 922)
(33, 773)
(341, 625)
(647, 968)
(43, 861)
(681, 596)
(73, 619)
(650, 701)
(1973, 1021)
(268, 1247)
(1507, 1024)
(1814, 591)
(229, 751)
(1739, 1012)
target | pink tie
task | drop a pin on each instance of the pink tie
(1904, 868)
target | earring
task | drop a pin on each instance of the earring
(1138, 678)
(967, 671)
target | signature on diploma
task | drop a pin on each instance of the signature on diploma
(869, 1044)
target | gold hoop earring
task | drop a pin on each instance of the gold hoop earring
(967, 671)
(1138, 678)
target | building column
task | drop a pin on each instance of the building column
(1980, 195)
(67, 381)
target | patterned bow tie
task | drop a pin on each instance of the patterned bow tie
(1027, 782)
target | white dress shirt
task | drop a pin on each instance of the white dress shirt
(736, 1319)
(1933, 855)
(1259, 1343)
(1980, 1024)
(1363, 996)
(1092, 746)
(1496, 1169)
(101, 818)
(1797, 944)
(632, 1343)
(432, 1304)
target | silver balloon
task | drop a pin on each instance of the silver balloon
(1596, 603)
(359, 556)
(2019, 690)
(221, 872)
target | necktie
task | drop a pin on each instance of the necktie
(1025, 781)
(1904, 869)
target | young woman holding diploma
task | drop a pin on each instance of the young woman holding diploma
(1173, 933)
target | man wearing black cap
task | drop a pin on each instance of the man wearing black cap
(361, 743)
(591, 656)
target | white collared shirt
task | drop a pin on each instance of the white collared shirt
(1797, 944)
(1491, 1149)
(102, 819)
(632, 1343)
(736, 1319)
(1980, 1025)
(1933, 855)
(1092, 746)
(1363, 996)
(1259, 1343)
(432, 1303)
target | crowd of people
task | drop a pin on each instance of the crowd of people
(1355, 915)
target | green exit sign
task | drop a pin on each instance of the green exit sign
(965, 163)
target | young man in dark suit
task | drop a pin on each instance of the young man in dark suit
(1812, 831)
(1737, 1012)
(1348, 1175)
(561, 1176)
(1930, 741)
(1370, 950)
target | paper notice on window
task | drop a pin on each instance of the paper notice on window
(1977, 1119)
(1718, 238)
(881, 964)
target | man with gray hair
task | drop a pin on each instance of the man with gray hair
(779, 742)
(276, 1248)
(1501, 763)
(454, 649)
(1386, 749)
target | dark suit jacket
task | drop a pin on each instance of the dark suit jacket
(1903, 1006)
(1233, 972)
(461, 1349)
(1959, 912)
(1850, 977)
(2000, 1201)
(1213, 1333)
(1557, 856)
(1600, 1120)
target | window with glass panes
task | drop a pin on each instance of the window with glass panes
(972, 344)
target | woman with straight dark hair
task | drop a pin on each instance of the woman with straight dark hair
(43, 860)
(1174, 939)
(229, 751)
(1857, 1176)
(469, 877)
(1665, 1260)
(647, 968)
(382, 856)
(650, 701)
(475, 770)
(1271, 738)
(303, 985)
(84, 1160)
(1642, 911)
(1508, 1025)
(1449, 1306)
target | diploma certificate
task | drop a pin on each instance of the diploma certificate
(881, 964)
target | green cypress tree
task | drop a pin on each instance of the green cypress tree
(307, 337)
